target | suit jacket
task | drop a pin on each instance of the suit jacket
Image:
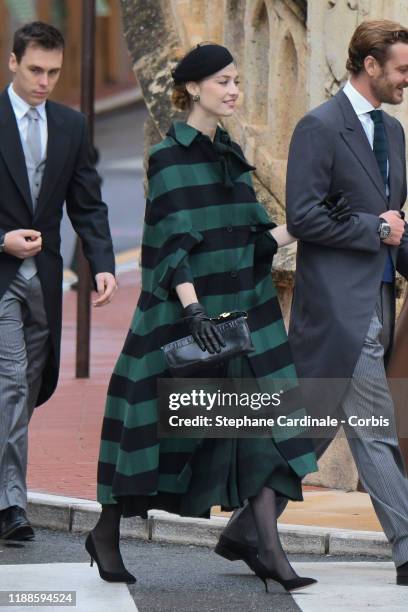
(69, 176)
(339, 265)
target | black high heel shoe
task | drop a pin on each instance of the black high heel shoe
(105, 575)
(292, 584)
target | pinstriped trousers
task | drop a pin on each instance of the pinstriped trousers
(375, 450)
(24, 349)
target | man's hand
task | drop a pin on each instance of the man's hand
(106, 287)
(22, 243)
(397, 225)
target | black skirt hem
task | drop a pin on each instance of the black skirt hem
(139, 505)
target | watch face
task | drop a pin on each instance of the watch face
(385, 231)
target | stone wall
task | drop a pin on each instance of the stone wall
(291, 56)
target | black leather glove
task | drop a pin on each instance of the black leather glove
(265, 245)
(203, 330)
(337, 206)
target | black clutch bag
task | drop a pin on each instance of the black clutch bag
(184, 357)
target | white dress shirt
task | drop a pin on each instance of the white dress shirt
(20, 108)
(362, 108)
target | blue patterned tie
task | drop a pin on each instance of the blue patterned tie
(380, 149)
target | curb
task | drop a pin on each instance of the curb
(80, 515)
(115, 101)
(118, 101)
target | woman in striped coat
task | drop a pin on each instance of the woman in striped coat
(207, 248)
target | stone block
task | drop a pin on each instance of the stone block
(52, 515)
(174, 529)
(84, 517)
(136, 527)
(370, 543)
(304, 540)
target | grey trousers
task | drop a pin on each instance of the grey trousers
(375, 450)
(24, 349)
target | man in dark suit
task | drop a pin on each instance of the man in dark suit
(343, 312)
(44, 161)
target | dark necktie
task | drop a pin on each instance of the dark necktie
(380, 149)
(380, 145)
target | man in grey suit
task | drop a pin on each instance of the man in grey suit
(343, 309)
(44, 162)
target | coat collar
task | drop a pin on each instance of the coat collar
(185, 134)
(232, 163)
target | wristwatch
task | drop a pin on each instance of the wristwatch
(384, 229)
(2, 235)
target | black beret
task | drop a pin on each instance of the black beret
(201, 62)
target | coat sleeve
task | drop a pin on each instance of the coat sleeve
(182, 274)
(169, 234)
(309, 174)
(87, 212)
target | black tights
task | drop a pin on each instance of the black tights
(270, 551)
(106, 536)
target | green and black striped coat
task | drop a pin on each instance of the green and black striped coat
(202, 224)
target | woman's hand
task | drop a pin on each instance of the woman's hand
(338, 208)
(282, 236)
(186, 293)
(203, 330)
(339, 211)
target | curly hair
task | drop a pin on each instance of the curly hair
(180, 97)
(373, 38)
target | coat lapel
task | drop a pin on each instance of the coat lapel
(12, 150)
(395, 161)
(57, 151)
(354, 136)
